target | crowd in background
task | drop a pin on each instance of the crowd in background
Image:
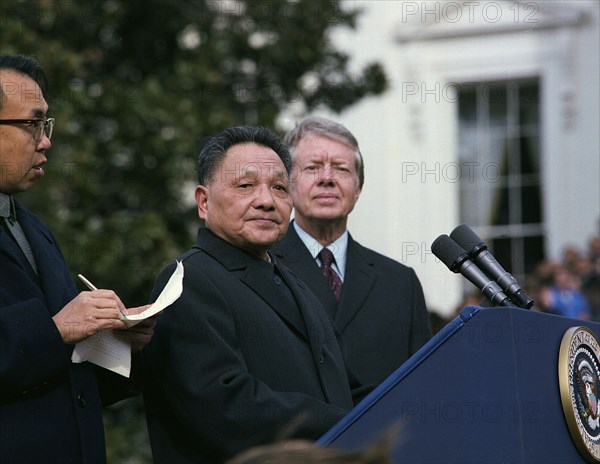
(569, 286)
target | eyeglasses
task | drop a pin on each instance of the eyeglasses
(41, 126)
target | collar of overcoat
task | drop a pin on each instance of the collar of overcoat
(258, 275)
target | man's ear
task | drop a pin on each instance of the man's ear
(202, 201)
(357, 193)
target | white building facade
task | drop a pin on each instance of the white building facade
(491, 119)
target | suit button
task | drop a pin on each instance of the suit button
(277, 280)
(81, 400)
(322, 358)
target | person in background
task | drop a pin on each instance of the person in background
(50, 408)
(246, 352)
(590, 285)
(563, 296)
(376, 303)
(305, 452)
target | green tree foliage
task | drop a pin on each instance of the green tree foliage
(135, 86)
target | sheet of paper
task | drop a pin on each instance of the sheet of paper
(168, 296)
(106, 350)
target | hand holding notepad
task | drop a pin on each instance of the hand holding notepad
(106, 349)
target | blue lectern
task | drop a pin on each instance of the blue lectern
(485, 389)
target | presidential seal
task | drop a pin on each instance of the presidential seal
(579, 380)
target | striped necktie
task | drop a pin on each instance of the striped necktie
(327, 259)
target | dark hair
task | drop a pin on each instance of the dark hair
(302, 452)
(214, 149)
(328, 128)
(24, 65)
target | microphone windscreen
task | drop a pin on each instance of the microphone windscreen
(466, 238)
(448, 251)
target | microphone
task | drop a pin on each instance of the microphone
(478, 252)
(457, 260)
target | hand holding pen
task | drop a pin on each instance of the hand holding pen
(89, 313)
(137, 335)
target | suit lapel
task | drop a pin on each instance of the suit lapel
(358, 280)
(322, 340)
(54, 278)
(313, 323)
(256, 274)
(259, 278)
(11, 251)
(359, 277)
(294, 254)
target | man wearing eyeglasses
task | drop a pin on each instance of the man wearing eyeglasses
(50, 408)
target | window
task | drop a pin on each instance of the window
(499, 148)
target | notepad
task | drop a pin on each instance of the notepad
(110, 352)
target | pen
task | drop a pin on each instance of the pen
(87, 283)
